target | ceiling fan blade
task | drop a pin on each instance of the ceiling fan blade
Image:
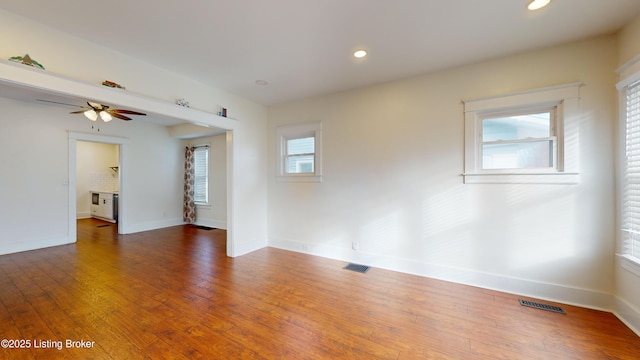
(116, 115)
(122, 111)
(97, 106)
(57, 102)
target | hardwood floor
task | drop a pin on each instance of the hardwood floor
(173, 294)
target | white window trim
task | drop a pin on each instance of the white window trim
(631, 74)
(286, 132)
(565, 98)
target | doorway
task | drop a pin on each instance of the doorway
(97, 180)
(121, 144)
(123, 222)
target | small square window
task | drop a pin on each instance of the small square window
(300, 153)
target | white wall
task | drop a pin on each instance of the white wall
(214, 214)
(392, 160)
(94, 173)
(153, 200)
(32, 185)
(629, 42)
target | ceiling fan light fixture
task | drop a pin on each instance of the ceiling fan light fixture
(538, 4)
(359, 54)
(91, 115)
(105, 116)
(104, 112)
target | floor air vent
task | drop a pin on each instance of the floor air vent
(540, 306)
(357, 268)
(203, 227)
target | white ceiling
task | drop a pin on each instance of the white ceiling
(303, 47)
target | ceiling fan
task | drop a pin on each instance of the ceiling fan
(106, 114)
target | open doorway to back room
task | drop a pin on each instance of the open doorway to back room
(97, 181)
(79, 142)
(216, 214)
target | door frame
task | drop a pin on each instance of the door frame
(123, 219)
(74, 137)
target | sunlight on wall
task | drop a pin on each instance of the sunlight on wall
(536, 238)
(444, 226)
(508, 228)
(381, 234)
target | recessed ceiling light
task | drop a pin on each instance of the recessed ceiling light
(359, 53)
(538, 4)
(261, 82)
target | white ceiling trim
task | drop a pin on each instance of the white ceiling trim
(37, 81)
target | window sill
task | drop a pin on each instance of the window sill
(300, 178)
(630, 263)
(522, 178)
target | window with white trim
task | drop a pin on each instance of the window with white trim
(519, 141)
(525, 137)
(300, 152)
(201, 177)
(630, 172)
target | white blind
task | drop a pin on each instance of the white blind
(201, 185)
(631, 175)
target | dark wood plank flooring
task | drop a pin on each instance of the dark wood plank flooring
(173, 294)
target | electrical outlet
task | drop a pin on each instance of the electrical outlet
(355, 245)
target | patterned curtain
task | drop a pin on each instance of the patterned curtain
(189, 208)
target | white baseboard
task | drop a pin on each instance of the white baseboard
(240, 249)
(34, 245)
(218, 224)
(83, 215)
(539, 290)
(151, 225)
(627, 314)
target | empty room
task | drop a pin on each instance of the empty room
(354, 179)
